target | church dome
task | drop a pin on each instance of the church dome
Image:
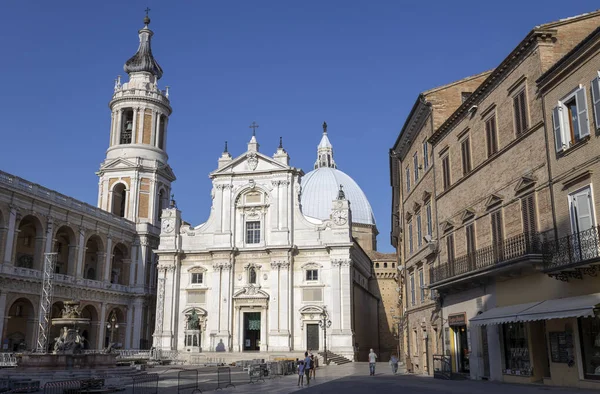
(321, 186)
(143, 61)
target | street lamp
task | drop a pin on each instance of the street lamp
(325, 323)
(112, 325)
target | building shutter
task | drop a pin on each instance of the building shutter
(496, 228)
(596, 100)
(523, 112)
(470, 232)
(557, 125)
(450, 247)
(528, 211)
(582, 113)
(581, 211)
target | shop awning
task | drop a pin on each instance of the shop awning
(581, 306)
(504, 314)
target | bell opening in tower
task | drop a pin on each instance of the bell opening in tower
(126, 127)
(119, 197)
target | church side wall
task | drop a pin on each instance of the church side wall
(366, 321)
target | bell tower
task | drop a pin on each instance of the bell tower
(135, 178)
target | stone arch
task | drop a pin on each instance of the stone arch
(29, 243)
(118, 203)
(91, 332)
(20, 327)
(116, 332)
(119, 268)
(65, 245)
(93, 259)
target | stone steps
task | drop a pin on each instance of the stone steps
(333, 358)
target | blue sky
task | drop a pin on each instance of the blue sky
(359, 65)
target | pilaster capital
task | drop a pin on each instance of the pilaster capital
(342, 262)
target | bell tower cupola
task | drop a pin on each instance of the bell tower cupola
(135, 177)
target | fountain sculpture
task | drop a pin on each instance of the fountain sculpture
(69, 341)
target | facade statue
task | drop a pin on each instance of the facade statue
(193, 321)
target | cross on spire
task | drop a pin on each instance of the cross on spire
(324, 127)
(147, 17)
(280, 143)
(254, 126)
(147, 11)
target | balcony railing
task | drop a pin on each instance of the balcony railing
(572, 250)
(496, 254)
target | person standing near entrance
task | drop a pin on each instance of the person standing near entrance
(307, 366)
(301, 373)
(372, 361)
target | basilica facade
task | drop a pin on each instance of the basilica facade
(260, 272)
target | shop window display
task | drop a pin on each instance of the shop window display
(590, 346)
(516, 350)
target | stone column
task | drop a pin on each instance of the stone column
(275, 299)
(264, 345)
(224, 302)
(49, 238)
(164, 147)
(107, 261)
(129, 327)
(117, 135)
(134, 132)
(160, 312)
(80, 254)
(346, 301)
(113, 118)
(10, 235)
(219, 206)
(226, 209)
(2, 312)
(214, 304)
(283, 221)
(137, 323)
(170, 306)
(336, 297)
(156, 129)
(102, 326)
(133, 262)
(133, 197)
(284, 295)
(153, 128)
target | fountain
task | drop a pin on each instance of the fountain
(68, 346)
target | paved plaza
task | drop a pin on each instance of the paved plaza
(354, 378)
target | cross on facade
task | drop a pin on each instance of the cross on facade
(253, 126)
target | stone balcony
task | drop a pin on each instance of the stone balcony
(573, 256)
(523, 251)
(37, 275)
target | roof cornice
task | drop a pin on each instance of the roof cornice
(412, 125)
(518, 53)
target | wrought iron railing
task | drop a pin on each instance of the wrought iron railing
(511, 248)
(572, 250)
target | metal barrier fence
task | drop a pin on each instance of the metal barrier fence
(8, 360)
(275, 369)
(63, 387)
(145, 384)
(256, 373)
(187, 382)
(224, 378)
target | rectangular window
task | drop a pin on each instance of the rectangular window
(520, 111)
(252, 232)
(596, 100)
(416, 165)
(410, 237)
(419, 232)
(470, 238)
(196, 297)
(197, 278)
(425, 156)
(446, 172)
(422, 284)
(589, 332)
(528, 213)
(312, 295)
(407, 179)
(450, 247)
(429, 222)
(581, 207)
(516, 349)
(492, 139)
(570, 120)
(465, 148)
(497, 235)
(412, 289)
(312, 275)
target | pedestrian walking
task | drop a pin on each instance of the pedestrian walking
(394, 363)
(307, 365)
(372, 361)
(313, 366)
(301, 373)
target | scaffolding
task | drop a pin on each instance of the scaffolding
(46, 302)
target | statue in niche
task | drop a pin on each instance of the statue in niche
(193, 321)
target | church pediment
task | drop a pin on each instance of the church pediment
(166, 171)
(250, 162)
(117, 164)
(251, 291)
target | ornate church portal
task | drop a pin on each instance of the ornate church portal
(257, 274)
